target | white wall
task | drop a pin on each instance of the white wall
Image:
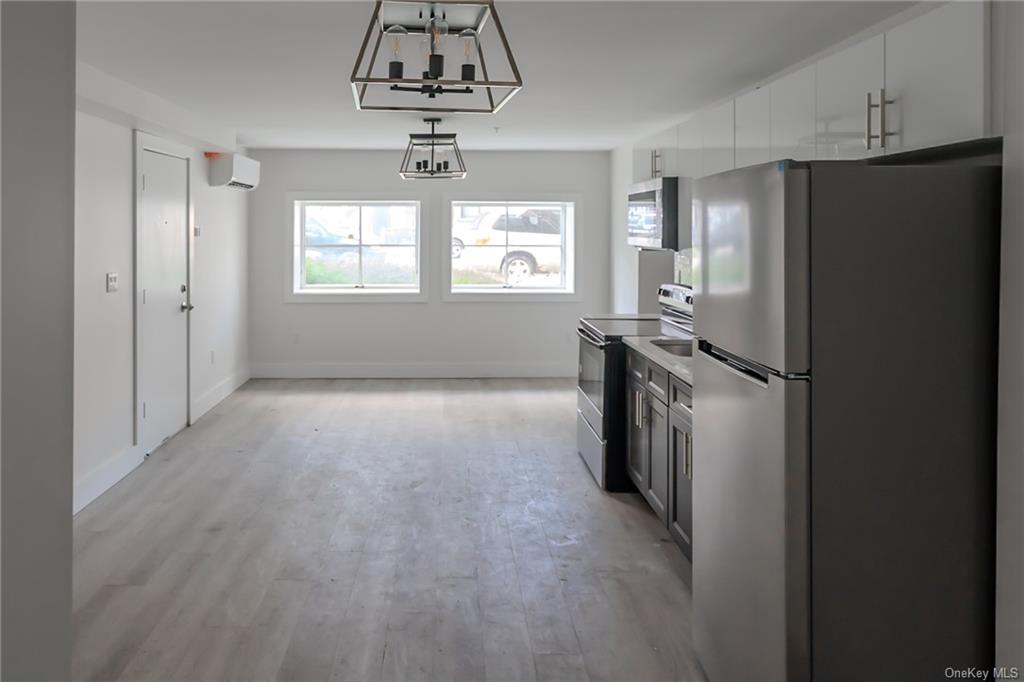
(434, 338)
(38, 139)
(1008, 57)
(104, 323)
(624, 262)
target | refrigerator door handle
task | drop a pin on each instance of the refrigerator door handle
(751, 374)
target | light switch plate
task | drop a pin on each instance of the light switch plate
(111, 282)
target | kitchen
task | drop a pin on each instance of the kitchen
(505, 339)
(712, 413)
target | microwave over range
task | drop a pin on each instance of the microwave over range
(659, 214)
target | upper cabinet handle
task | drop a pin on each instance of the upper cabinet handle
(883, 127)
(883, 131)
(868, 136)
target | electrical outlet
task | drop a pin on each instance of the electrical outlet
(111, 282)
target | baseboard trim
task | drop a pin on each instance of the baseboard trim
(109, 473)
(105, 476)
(221, 390)
(411, 370)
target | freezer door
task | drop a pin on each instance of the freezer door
(750, 522)
(751, 264)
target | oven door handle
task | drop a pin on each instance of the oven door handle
(592, 341)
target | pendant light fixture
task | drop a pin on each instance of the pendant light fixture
(432, 156)
(404, 81)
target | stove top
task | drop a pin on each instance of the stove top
(613, 327)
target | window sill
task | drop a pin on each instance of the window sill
(356, 296)
(511, 296)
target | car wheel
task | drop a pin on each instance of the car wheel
(518, 267)
(457, 247)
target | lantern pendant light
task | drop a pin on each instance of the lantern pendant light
(398, 82)
(432, 156)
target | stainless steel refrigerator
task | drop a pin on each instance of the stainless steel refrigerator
(844, 420)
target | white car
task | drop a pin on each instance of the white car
(531, 239)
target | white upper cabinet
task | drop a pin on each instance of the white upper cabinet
(656, 156)
(752, 127)
(718, 138)
(690, 149)
(935, 77)
(792, 116)
(844, 82)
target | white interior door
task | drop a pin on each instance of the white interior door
(163, 310)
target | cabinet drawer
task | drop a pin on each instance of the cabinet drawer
(680, 396)
(636, 366)
(656, 380)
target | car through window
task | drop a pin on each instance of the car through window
(509, 246)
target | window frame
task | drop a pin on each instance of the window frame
(573, 245)
(296, 292)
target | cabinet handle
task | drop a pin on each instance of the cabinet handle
(883, 127)
(883, 131)
(868, 137)
(636, 409)
(688, 461)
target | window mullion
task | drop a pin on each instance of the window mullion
(302, 246)
(361, 284)
(508, 225)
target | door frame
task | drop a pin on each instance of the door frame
(146, 142)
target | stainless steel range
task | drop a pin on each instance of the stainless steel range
(600, 400)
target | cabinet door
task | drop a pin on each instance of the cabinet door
(643, 161)
(689, 148)
(666, 161)
(657, 479)
(636, 435)
(935, 75)
(718, 137)
(843, 83)
(656, 156)
(680, 516)
(752, 128)
(792, 116)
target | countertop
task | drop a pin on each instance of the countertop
(681, 367)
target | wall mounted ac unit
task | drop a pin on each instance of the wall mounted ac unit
(234, 171)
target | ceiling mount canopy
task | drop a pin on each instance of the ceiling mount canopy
(423, 56)
(432, 156)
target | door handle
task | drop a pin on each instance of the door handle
(186, 306)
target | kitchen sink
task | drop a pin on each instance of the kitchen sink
(675, 346)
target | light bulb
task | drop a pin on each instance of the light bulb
(396, 68)
(436, 28)
(469, 47)
(434, 56)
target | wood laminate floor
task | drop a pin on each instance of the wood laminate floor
(378, 530)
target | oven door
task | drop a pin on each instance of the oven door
(592, 378)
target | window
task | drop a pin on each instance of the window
(355, 246)
(512, 246)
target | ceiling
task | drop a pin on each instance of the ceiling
(596, 74)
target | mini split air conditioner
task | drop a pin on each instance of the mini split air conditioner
(234, 171)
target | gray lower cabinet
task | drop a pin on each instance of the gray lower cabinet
(680, 505)
(656, 489)
(659, 445)
(636, 433)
